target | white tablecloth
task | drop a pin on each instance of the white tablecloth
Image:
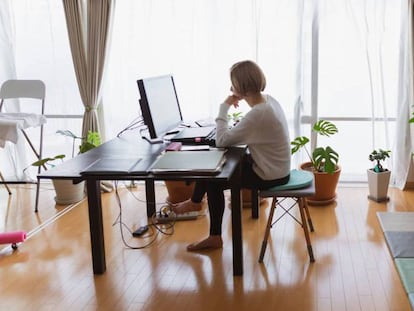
(11, 123)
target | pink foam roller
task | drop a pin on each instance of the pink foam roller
(12, 237)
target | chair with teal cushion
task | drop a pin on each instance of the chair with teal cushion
(299, 187)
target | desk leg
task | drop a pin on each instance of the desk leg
(236, 222)
(150, 195)
(96, 225)
(255, 203)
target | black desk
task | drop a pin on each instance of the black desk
(133, 146)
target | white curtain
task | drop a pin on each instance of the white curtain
(375, 37)
(7, 42)
(12, 156)
(197, 41)
(34, 45)
(355, 80)
(404, 133)
(361, 63)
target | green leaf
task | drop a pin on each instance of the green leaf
(412, 118)
(235, 115)
(298, 143)
(93, 138)
(378, 156)
(43, 161)
(325, 159)
(325, 128)
(68, 134)
(86, 146)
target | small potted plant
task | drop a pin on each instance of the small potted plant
(66, 191)
(323, 162)
(234, 117)
(92, 140)
(378, 176)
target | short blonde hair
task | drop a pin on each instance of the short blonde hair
(247, 78)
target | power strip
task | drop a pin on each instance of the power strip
(161, 218)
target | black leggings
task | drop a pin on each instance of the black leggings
(214, 190)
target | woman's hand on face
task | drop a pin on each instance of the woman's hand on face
(232, 100)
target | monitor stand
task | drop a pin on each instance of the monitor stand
(153, 140)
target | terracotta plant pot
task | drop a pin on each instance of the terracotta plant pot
(179, 191)
(325, 185)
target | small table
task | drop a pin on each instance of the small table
(133, 146)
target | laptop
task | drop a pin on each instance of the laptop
(196, 135)
(189, 162)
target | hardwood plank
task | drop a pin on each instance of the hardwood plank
(52, 270)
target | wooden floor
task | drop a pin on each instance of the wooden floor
(52, 269)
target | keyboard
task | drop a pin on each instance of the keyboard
(196, 136)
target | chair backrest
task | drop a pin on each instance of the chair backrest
(15, 89)
(23, 89)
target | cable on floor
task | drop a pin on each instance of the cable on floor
(155, 228)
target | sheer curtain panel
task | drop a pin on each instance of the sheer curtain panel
(346, 60)
(404, 133)
(197, 41)
(358, 84)
(34, 45)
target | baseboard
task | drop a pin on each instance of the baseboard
(409, 185)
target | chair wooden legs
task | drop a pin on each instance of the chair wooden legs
(302, 207)
(305, 206)
(268, 227)
(306, 221)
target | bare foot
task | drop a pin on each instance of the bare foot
(212, 242)
(186, 206)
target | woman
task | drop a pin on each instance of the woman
(264, 130)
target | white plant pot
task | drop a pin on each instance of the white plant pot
(67, 192)
(378, 185)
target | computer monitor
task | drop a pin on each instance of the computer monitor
(159, 105)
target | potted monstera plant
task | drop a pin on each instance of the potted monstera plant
(323, 162)
(378, 176)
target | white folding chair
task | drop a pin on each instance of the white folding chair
(32, 89)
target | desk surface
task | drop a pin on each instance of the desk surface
(132, 146)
